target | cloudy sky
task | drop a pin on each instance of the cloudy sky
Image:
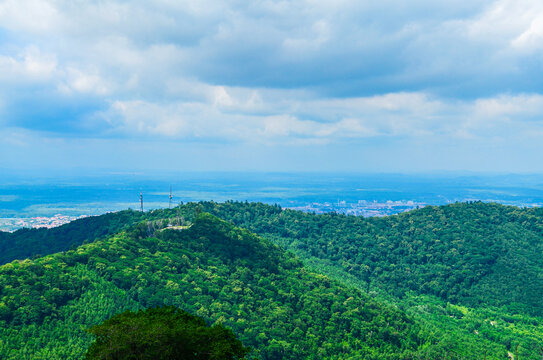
(379, 86)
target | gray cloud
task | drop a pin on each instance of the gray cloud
(277, 73)
(342, 48)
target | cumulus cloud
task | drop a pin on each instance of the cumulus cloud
(28, 66)
(345, 47)
(31, 16)
(287, 72)
(251, 115)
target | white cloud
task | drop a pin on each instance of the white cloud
(521, 106)
(532, 38)
(31, 65)
(230, 115)
(137, 47)
(515, 27)
(78, 81)
(306, 72)
(221, 97)
(32, 16)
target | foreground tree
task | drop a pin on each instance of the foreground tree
(163, 333)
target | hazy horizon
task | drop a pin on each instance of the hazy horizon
(24, 195)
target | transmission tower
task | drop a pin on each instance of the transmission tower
(141, 201)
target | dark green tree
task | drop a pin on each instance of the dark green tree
(163, 333)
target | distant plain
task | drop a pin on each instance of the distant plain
(24, 195)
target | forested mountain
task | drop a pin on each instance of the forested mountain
(474, 253)
(467, 274)
(471, 271)
(212, 269)
(468, 271)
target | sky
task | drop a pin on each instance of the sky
(196, 85)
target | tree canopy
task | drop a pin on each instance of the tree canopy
(163, 333)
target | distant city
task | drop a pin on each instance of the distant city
(361, 208)
(12, 224)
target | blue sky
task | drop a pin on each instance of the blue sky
(362, 86)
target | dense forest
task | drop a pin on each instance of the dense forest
(471, 253)
(456, 281)
(477, 266)
(212, 269)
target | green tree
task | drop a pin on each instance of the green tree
(163, 333)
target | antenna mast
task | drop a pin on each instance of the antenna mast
(141, 201)
(171, 197)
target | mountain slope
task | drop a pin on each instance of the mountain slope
(469, 272)
(472, 253)
(211, 269)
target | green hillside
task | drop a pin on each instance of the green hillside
(476, 254)
(469, 271)
(212, 269)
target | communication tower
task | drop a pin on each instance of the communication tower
(171, 197)
(141, 201)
